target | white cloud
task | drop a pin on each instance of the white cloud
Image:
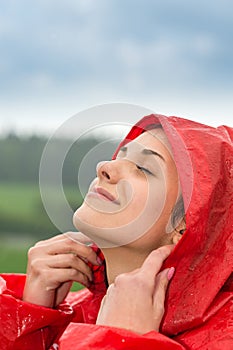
(61, 57)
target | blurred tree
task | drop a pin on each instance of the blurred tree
(21, 208)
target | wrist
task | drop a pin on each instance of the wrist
(38, 296)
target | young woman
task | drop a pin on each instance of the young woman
(134, 211)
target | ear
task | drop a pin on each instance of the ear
(178, 232)
(176, 237)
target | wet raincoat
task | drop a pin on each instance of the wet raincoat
(199, 303)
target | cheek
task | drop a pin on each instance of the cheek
(138, 200)
(144, 202)
(133, 204)
(148, 202)
(173, 190)
(129, 224)
(155, 202)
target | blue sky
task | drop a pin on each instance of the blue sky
(57, 58)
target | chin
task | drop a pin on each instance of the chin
(99, 235)
(104, 230)
(80, 219)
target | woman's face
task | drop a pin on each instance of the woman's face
(132, 198)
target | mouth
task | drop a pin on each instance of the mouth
(101, 193)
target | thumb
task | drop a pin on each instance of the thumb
(61, 292)
(161, 284)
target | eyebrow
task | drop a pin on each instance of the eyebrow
(150, 152)
(145, 151)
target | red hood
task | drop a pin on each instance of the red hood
(203, 258)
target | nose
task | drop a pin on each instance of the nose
(109, 171)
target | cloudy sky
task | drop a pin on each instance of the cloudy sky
(57, 58)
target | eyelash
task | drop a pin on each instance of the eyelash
(141, 168)
(144, 170)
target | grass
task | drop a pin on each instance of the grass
(23, 199)
(21, 211)
(13, 259)
(18, 197)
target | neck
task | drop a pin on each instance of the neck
(121, 260)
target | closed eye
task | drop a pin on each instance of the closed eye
(145, 170)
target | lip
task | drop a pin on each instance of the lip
(100, 191)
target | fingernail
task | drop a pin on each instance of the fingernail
(170, 273)
(99, 260)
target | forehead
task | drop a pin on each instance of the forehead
(155, 139)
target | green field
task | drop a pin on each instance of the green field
(18, 197)
(23, 221)
(22, 211)
(13, 259)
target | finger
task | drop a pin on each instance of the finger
(46, 241)
(69, 261)
(78, 236)
(161, 284)
(153, 263)
(62, 292)
(66, 246)
(70, 246)
(56, 277)
(101, 312)
(42, 266)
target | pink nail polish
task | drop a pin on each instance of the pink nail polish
(170, 273)
(100, 261)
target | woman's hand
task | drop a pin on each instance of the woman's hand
(54, 264)
(135, 301)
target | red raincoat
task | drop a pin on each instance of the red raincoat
(199, 303)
